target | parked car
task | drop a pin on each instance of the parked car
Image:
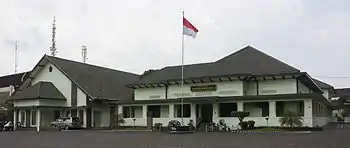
(67, 123)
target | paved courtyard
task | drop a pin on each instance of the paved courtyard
(331, 137)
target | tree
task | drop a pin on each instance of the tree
(291, 119)
(240, 115)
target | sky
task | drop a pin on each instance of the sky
(137, 35)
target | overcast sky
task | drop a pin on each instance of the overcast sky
(136, 35)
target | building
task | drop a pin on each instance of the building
(342, 102)
(247, 80)
(8, 84)
(58, 87)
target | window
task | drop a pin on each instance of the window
(186, 110)
(154, 110)
(22, 117)
(225, 109)
(279, 109)
(33, 117)
(301, 108)
(50, 69)
(132, 111)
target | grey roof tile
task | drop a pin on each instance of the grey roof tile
(42, 90)
(322, 84)
(99, 82)
(245, 61)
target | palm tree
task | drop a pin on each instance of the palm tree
(291, 119)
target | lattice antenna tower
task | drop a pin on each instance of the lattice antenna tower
(84, 53)
(53, 48)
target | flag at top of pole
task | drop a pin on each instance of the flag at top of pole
(189, 29)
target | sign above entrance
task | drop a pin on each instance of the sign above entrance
(200, 88)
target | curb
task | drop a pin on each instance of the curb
(296, 132)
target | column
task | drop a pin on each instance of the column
(272, 108)
(171, 111)
(85, 118)
(193, 112)
(15, 114)
(215, 111)
(38, 120)
(144, 111)
(308, 113)
(240, 106)
(92, 118)
(112, 110)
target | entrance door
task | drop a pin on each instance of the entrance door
(97, 118)
(207, 112)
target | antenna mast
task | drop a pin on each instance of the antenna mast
(53, 48)
(84, 53)
(16, 54)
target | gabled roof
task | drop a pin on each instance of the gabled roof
(322, 84)
(97, 82)
(14, 79)
(40, 90)
(247, 61)
(342, 93)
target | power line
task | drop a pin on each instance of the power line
(333, 77)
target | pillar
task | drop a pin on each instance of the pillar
(112, 118)
(272, 108)
(308, 118)
(85, 118)
(92, 118)
(15, 118)
(171, 111)
(240, 106)
(38, 120)
(144, 111)
(193, 112)
(215, 112)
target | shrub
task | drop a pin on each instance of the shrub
(251, 124)
(291, 120)
(244, 125)
(158, 126)
(119, 119)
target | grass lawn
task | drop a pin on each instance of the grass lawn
(269, 129)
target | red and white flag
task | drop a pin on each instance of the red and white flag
(189, 29)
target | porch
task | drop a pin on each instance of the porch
(136, 115)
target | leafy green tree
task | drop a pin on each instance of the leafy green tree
(291, 119)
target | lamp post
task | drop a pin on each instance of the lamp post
(267, 120)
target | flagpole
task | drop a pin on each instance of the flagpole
(182, 72)
(16, 51)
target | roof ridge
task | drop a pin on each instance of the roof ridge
(188, 65)
(234, 53)
(97, 66)
(263, 53)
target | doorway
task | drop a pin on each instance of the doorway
(204, 113)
